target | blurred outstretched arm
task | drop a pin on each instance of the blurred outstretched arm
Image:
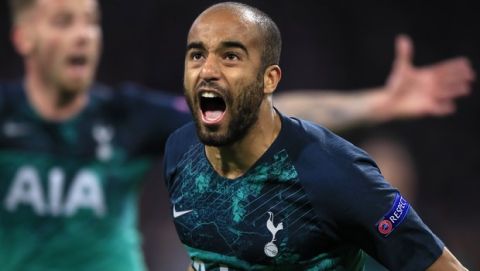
(409, 92)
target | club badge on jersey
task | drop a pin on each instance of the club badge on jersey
(103, 135)
(271, 249)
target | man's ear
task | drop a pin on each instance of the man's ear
(271, 78)
(22, 39)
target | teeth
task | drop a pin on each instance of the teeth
(209, 95)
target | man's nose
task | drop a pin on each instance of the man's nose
(210, 69)
(85, 33)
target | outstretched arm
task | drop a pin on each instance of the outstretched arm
(446, 262)
(409, 92)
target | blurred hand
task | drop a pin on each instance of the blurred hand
(425, 91)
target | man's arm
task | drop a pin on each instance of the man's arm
(409, 92)
(446, 262)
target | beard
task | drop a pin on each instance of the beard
(243, 110)
(70, 90)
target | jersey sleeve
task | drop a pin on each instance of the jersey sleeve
(368, 212)
(394, 232)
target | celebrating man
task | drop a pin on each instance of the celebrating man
(252, 189)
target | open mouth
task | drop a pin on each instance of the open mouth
(212, 106)
(77, 60)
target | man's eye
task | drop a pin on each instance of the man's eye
(231, 57)
(196, 56)
(62, 20)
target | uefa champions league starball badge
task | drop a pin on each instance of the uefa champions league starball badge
(270, 249)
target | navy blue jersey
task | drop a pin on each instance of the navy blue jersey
(313, 201)
(68, 189)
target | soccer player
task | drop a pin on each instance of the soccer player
(253, 189)
(73, 152)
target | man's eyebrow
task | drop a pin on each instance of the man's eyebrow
(195, 45)
(234, 44)
(225, 44)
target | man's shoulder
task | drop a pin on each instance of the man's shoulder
(312, 137)
(141, 104)
(182, 138)
(317, 151)
(134, 93)
(11, 95)
(178, 144)
(11, 88)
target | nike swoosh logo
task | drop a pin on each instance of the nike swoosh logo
(178, 214)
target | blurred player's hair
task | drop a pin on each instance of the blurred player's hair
(18, 7)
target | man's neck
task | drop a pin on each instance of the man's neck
(52, 103)
(235, 160)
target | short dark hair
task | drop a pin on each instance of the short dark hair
(272, 40)
(17, 7)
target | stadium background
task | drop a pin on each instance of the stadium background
(327, 45)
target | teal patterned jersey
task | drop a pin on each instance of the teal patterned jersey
(68, 189)
(313, 201)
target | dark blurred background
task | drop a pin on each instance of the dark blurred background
(342, 45)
